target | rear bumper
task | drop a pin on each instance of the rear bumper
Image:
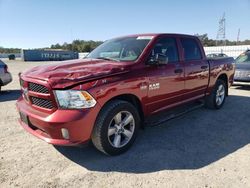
(6, 78)
(241, 83)
(242, 79)
(48, 127)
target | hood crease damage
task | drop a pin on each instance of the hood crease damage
(68, 73)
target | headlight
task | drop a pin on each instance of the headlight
(73, 99)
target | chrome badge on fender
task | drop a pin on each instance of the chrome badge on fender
(154, 86)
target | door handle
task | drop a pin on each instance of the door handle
(204, 67)
(177, 71)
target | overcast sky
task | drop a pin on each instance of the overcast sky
(40, 23)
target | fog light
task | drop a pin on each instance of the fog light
(65, 133)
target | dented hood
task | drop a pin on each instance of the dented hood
(68, 73)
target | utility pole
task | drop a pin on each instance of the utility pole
(221, 34)
(238, 36)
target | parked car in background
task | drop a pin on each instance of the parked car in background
(108, 95)
(12, 57)
(242, 72)
(5, 76)
(216, 55)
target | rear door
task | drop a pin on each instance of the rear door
(196, 68)
(166, 81)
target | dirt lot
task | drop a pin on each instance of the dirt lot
(204, 148)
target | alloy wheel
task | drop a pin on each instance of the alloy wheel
(121, 129)
(220, 95)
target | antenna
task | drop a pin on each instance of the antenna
(238, 36)
(221, 34)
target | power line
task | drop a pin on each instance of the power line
(221, 34)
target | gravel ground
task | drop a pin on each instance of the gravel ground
(204, 148)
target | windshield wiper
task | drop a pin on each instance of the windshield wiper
(107, 58)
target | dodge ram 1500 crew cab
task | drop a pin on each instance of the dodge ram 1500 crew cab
(106, 96)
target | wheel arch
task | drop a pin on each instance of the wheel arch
(131, 98)
(224, 77)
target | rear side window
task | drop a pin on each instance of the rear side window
(167, 47)
(191, 49)
(243, 58)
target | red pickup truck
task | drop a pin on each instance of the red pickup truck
(107, 96)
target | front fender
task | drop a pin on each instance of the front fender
(108, 91)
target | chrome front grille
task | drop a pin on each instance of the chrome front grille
(44, 103)
(37, 88)
(37, 95)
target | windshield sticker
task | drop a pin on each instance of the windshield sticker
(144, 37)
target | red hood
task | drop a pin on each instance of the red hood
(68, 73)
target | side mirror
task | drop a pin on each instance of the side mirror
(158, 59)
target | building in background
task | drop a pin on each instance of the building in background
(48, 55)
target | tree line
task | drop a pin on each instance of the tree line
(210, 42)
(78, 45)
(89, 45)
(9, 50)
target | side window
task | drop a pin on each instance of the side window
(166, 47)
(191, 49)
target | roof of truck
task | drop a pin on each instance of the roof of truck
(158, 34)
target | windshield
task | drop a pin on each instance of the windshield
(244, 58)
(121, 49)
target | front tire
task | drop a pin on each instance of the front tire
(116, 127)
(218, 96)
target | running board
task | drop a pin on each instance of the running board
(162, 117)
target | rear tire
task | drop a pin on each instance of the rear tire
(116, 127)
(218, 96)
